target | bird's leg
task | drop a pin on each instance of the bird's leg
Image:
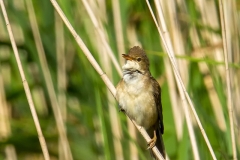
(152, 142)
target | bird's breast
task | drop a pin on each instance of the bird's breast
(135, 96)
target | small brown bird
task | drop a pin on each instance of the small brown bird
(139, 95)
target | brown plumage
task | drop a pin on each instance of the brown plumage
(139, 95)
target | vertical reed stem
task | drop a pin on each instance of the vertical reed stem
(228, 81)
(25, 85)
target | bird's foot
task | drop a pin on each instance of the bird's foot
(153, 141)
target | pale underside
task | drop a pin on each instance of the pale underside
(135, 96)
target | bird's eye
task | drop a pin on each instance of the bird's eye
(139, 59)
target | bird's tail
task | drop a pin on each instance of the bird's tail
(160, 145)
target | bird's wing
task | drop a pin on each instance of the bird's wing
(157, 98)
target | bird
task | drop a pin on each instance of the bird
(139, 96)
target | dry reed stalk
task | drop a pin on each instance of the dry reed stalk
(10, 152)
(235, 32)
(115, 122)
(25, 85)
(61, 74)
(121, 50)
(189, 123)
(210, 18)
(237, 102)
(84, 48)
(132, 40)
(103, 7)
(115, 127)
(180, 82)
(118, 28)
(174, 98)
(61, 65)
(106, 63)
(5, 128)
(113, 114)
(3, 34)
(40, 101)
(49, 82)
(185, 105)
(176, 35)
(228, 80)
(132, 36)
(169, 12)
(101, 35)
(133, 134)
(98, 121)
(96, 66)
(208, 81)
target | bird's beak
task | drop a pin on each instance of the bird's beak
(127, 57)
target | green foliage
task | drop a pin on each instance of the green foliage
(88, 121)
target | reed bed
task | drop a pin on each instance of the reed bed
(70, 60)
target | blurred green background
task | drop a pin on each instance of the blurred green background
(95, 129)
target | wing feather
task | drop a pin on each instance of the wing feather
(157, 97)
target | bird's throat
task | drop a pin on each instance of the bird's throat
(132, 72)
(131, 69)
(131, 75)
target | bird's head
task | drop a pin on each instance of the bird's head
(136, 60)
